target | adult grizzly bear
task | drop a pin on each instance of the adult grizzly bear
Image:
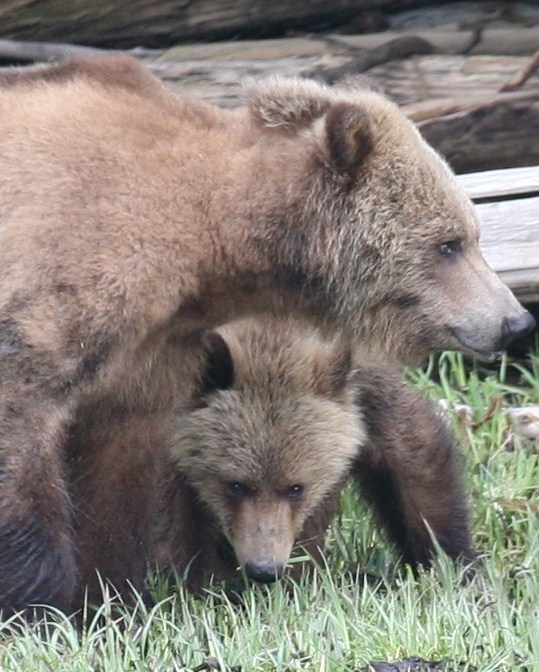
(281, 423)
(128, 215)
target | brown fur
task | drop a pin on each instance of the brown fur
(274, 426)
(115, 451)
(128, 215)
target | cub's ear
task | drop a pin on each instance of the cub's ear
(349, 136)
(218, 367)
(333, 374)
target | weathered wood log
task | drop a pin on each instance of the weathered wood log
(447, 76)
(494, 185)
(23, 52)
(130, 23)
(496, 134)
(395, 49)
(435, 108)
(516, 41)
(507, 202)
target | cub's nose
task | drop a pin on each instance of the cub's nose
(264, 573)
(514, 327)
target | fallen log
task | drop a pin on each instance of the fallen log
(507, 204)
(130, 23)
(29, 52)
(496, 133)
(473, 41)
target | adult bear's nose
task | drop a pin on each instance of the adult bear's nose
(514, 327)
(264, 573)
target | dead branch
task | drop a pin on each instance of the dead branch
(400, 47)
(441, 107)
(523, 75)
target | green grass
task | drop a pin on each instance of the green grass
(335, 620)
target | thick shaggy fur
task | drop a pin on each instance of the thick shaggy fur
(128, 215)
(263, 460)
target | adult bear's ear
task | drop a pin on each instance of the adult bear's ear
(218, 366)
(349, 136)
(289, 104)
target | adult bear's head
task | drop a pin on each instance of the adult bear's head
(370, 224)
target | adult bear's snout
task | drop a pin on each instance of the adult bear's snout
(515, 327)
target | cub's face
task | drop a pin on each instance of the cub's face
(261, 451)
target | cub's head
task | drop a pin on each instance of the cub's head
(274, 432)
(380, 236)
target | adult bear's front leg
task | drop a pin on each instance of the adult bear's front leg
(37, 565)
(410, 471)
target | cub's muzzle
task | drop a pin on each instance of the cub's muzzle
(264, 573)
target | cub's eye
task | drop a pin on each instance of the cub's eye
(450, 249)
(294, 491)
(238, 490)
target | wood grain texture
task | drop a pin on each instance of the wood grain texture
(510, 226)
(496, 183)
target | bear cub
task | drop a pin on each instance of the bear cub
(283, 420)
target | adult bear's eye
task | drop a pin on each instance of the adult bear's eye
(451, 248)
(239, 490)
(294, 491)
